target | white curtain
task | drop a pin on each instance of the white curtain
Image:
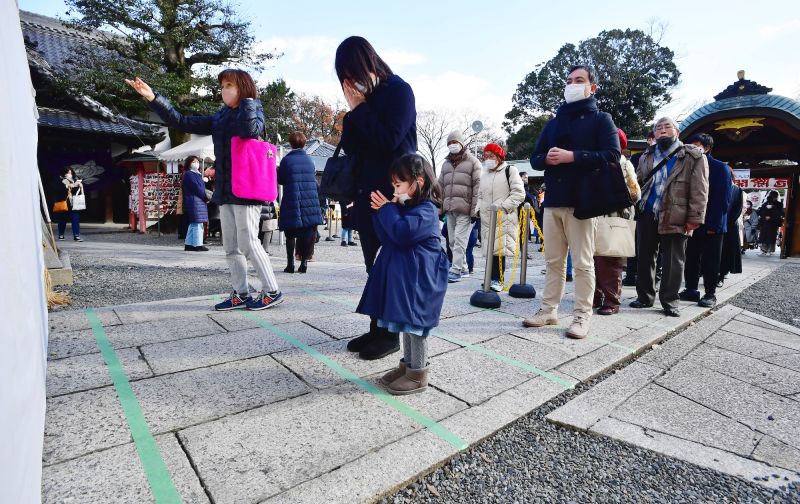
(23, 313)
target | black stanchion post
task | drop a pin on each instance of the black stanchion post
(523, 290)
(487, 298)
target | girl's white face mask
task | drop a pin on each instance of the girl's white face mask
(195, 165)
(402, 197)
(489, 164)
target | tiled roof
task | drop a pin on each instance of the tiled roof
(67, 119)
(762, 101)
(53, 40)
(316, 147)
(49, 45)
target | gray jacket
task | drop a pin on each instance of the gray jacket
(460, 185)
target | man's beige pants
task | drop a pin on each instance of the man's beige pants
(564, 234)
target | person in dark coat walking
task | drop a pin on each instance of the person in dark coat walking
(731, 260)
(242, 116)
(195, 210)
(704, 247)
(770, 218)
(380, 127)
(412, 261)
(299, 215)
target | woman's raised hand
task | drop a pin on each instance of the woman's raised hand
(142, 88)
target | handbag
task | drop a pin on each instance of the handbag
(60, 206)
(254, 169)
(615, 237)
(339, 178)
(79, 200)
(602, 191)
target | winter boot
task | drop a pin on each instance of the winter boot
(414, 381)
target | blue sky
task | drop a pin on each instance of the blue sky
(467, 58)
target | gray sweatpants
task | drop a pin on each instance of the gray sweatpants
(240, 241)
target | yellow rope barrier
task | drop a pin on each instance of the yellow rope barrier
(521, 228)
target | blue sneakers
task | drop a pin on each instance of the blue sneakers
(234, 302)
(265, 300)
(453, 277)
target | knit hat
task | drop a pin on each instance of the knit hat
(457, 136)
(623, 139)
(495, 149)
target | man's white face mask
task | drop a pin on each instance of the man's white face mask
(454, 148)
(574, 92)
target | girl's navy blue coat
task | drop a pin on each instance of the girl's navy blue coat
(408, 282)
(300, 203)
(194, 198)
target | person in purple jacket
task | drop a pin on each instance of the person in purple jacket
(406, 286)
(195, 209)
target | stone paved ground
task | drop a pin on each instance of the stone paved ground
(270, 407)
(725, 395)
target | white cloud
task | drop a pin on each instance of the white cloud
(778, 29)
(403, 58)
(460, 93)
(302, 50)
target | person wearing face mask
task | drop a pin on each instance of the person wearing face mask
(674, 181)
(500, 185)
(241, 115)
(750, 226)
(460, 180)
(630, 267)
(195, 210)
(412, 261)
(770, 219)
(380, 127)
(704, 248)
(579, 138)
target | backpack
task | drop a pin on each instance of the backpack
(527, 199)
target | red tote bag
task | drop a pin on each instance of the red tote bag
(254, 169)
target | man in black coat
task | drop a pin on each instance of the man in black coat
(704, 247)
(578, 139)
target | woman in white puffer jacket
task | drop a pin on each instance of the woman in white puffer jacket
(501, 185)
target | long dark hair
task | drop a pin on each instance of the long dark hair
(356, 59)
(67, 170)
(410, 166)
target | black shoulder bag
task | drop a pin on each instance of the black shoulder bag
(602, 191)
(339, 177)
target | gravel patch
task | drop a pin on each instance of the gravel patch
(533, 460)
(775, 296)
(108, 283)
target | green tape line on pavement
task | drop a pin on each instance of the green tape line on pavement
(348, 375)
(507, 360)
(493, 355)
(161, 485)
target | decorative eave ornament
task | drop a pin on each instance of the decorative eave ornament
(742, 87)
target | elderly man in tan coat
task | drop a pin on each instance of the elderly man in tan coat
(460, 180)
(674, 181)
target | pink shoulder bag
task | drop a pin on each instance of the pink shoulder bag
(254, 173)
